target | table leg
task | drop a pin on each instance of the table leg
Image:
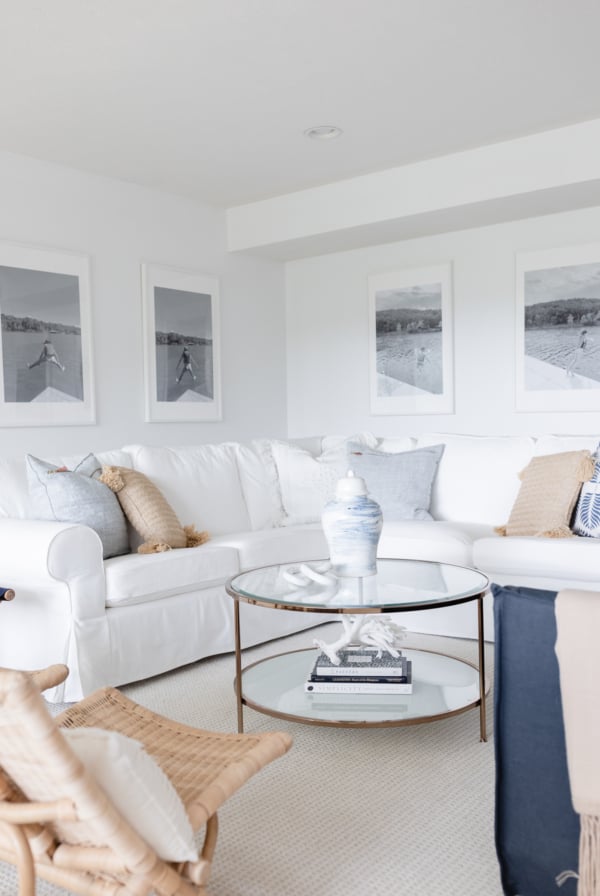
(238, 667)
(481, 646)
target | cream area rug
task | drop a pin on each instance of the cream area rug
(402, 811)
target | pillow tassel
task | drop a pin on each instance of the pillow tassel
(500, 530)
(195, 538)
(112, 478)
(586, 468)
(153, 547)
(556, 532)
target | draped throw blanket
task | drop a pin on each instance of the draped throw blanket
(578, 651)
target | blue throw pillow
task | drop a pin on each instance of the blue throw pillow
(587, 513)
(77, 496)
(401, 483)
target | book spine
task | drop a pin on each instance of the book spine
(366, 679)
(342, 687)
(376, 671)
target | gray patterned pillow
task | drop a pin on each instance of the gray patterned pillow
(400, 483)
(77, 496)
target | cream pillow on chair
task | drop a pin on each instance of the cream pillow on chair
(550, 487)
(138, 788)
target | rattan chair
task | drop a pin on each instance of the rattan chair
(67, 831)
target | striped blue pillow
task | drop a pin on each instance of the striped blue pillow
(587, 514)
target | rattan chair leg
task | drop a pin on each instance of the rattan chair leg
(25, 867)
(199, 872)
(210, 838)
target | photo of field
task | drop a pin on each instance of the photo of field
(562, 328)
(184, 345)
(409, 340)
(41, 336)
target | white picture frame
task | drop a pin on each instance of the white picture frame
(410, 341)
(558, 329)
(181, 345)
(46, 365)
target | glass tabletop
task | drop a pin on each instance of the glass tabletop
(398, 584)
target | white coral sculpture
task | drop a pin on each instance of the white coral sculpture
(368, 631)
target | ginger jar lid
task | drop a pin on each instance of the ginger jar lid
(350, 486)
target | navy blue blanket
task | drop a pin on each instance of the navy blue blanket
(537, 829)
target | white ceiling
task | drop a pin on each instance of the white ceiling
(209, 98)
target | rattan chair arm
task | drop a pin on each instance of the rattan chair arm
(29, 813)
(50, 677)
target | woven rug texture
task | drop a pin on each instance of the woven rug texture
(405, 811)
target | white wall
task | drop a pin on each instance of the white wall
(120, 225)
(327, 331)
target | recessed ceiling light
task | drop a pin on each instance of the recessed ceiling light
(323, 132)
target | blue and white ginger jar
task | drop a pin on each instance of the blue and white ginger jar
(352, 525)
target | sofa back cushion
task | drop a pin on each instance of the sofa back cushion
(14, 492)
(557, 444)
(260, 487)
(303, 482)
(478, 476)
(201, 483)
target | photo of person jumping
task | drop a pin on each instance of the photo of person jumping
(183, 330)
(47, 356)
(42, 351)
(186, 364)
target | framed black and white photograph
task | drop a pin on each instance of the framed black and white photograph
(410, 338)
(558, 329)
(46, 346)
(181, 339)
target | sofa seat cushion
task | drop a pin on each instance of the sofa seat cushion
(282, 545)
(138, 578)
(576, 558)
(431, 540)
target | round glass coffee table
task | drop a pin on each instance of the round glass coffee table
(443, 685)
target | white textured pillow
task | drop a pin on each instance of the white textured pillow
(307, 483)
(138, 788)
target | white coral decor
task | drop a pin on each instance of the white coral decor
(368, 631)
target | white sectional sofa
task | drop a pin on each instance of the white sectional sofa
(138, 615)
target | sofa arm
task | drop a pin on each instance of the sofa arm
(34, 553)
(59, 615)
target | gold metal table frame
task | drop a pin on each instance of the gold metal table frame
(475, 594)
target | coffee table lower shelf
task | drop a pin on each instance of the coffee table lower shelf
(443, 686)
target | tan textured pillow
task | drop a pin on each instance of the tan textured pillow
(550, 486)
(149, 512)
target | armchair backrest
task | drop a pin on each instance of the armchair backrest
(36, 758)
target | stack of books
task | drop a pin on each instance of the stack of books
(360, 671)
